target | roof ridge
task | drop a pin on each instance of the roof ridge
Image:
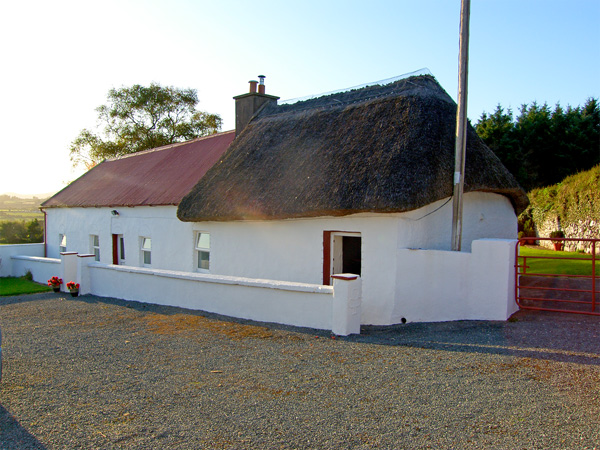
(338, 103)
(168, 146)
(415, 85)
(417, 73)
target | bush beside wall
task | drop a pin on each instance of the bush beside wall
(572, 206)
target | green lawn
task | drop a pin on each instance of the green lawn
(19, 286)
(558, 266)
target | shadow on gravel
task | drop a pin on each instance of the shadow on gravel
(11, 300)
(562, 337)
(529, 334)
(547, 336)
(14, 436)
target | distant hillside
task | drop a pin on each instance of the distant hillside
(572, 205)
(17, 195)
(16, 208)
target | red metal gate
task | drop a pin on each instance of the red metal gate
(537, 289)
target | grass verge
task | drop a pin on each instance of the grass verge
(577, 264)
(20, 286)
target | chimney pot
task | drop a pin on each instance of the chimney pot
(247, 105)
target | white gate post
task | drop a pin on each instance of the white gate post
(83, 273)
(68, 268)
(347, 298)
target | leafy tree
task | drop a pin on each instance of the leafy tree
(138, 118)
(35, 231)
(540, 146)
(12, 233)
(21, 232)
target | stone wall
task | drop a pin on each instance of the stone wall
(582, 229)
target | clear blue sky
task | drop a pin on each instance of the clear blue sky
(60, 58)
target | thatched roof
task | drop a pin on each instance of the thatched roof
(377, 149)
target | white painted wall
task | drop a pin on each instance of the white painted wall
(440, 285)
(297, 304)
(431, 285)
(485, 215)
(6, 251)
(172, 240)
(291, 250)
(42, 269)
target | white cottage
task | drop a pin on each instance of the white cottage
(356, 182)
(346, 183)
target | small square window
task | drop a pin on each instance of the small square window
(62, 243)
(203, 240)
(95, 246)
(146, 251)
(121, 249)
(203, 260)
(202, 249)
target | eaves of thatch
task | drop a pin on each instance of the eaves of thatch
(380, 149)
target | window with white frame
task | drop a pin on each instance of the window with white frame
(95, 246)
(121, 248)
(62, 243)
(146, 251)
(202, 250)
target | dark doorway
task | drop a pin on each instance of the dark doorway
(341, 254)
(351, 254)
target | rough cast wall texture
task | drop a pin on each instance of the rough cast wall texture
(583, 229)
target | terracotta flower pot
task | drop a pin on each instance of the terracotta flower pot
(558, 246)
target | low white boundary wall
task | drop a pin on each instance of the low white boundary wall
(299, 304)
(430, 285)
(8, 251)
(437, 285)
(42, 269)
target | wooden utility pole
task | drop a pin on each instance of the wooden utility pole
(461, 126)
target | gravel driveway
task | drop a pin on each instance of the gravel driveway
(97, 373)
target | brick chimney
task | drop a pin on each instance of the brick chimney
(246, 105)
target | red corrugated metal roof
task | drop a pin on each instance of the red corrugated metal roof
(160, 176)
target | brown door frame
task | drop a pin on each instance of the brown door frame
(327, 257)
(327, 252)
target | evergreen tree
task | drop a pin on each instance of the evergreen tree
(540, 146)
